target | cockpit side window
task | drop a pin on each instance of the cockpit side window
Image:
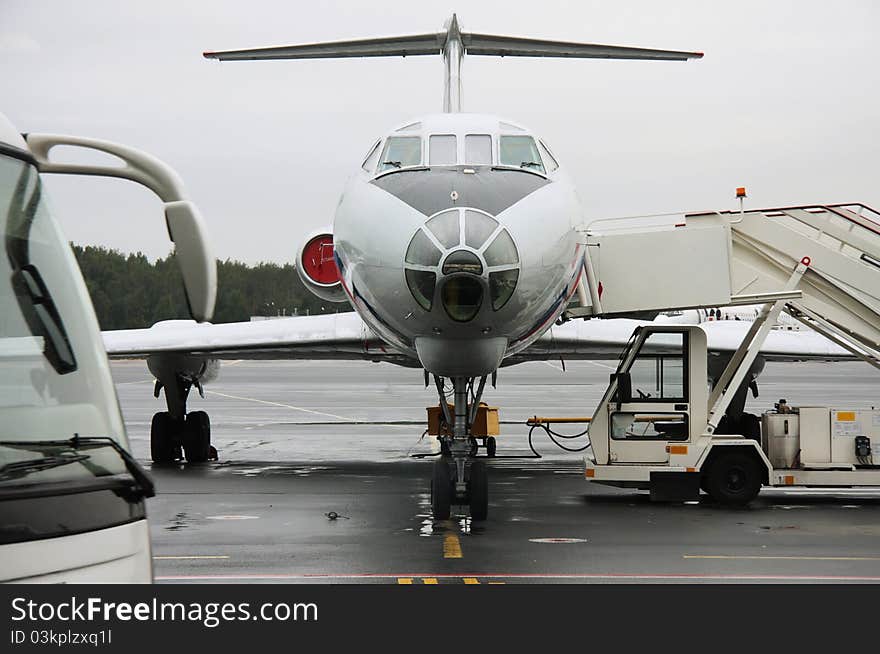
(400, 152)
(372, 158)
(443, 150)
(478, 149)
(520, 151)
(549, 159)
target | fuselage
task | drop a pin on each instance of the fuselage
(456, 241)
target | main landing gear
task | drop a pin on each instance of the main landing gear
(175, 434)
(458, 477)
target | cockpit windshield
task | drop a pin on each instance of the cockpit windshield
(400, 152)
(521, 152)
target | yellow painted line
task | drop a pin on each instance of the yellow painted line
(189, 557)
(783, 558)
(498, 583)
(429, 580)
(470, 580)
(404, 581)
(451, 547)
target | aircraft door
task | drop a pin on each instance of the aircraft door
(654, 410)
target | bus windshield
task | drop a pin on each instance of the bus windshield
(54, 377)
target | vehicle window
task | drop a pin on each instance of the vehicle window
(400, 152)
(549, 159)
(520, 151)
(478, 149)
(443, 150)
(53, 370)
(649, 426)
(372, 158)
(657, 373)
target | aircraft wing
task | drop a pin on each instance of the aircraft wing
(328, 336)
(344, 336)
(596, 339)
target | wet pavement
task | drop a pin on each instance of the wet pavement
(297, 498)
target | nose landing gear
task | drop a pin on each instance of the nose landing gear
(458, 477)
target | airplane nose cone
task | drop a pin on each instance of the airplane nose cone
(456, 257)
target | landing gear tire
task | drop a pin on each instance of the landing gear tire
(197, 437)
(478, 491)
(734, 479)
(475, 447)
(441, 490)
(162, 449)
(491, 446)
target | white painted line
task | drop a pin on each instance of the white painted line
(189, 557)
(601, 365)
(286, 406)
(232, 517)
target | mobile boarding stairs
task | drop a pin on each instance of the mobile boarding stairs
(820, 264)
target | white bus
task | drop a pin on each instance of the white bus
(72, 498)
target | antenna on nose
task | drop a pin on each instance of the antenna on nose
(452, 44)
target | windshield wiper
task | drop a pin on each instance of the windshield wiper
(147, 487)
(529, 164)
(144, 484)
(18, 469)
(396, 164)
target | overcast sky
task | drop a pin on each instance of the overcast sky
(785, 102)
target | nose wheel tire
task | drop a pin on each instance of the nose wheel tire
(478, 491)
(734, 478)
(197, 437)
(441, 490)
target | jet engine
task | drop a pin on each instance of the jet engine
(317, 269)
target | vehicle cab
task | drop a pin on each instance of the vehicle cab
(72, 498)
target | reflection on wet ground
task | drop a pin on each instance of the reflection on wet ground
(262, 513)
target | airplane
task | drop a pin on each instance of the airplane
(456, 244)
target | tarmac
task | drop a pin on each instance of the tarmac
(317, 481)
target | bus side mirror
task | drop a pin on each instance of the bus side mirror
(624, 387)
(197, 264)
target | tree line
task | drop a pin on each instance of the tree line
(129, 292)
